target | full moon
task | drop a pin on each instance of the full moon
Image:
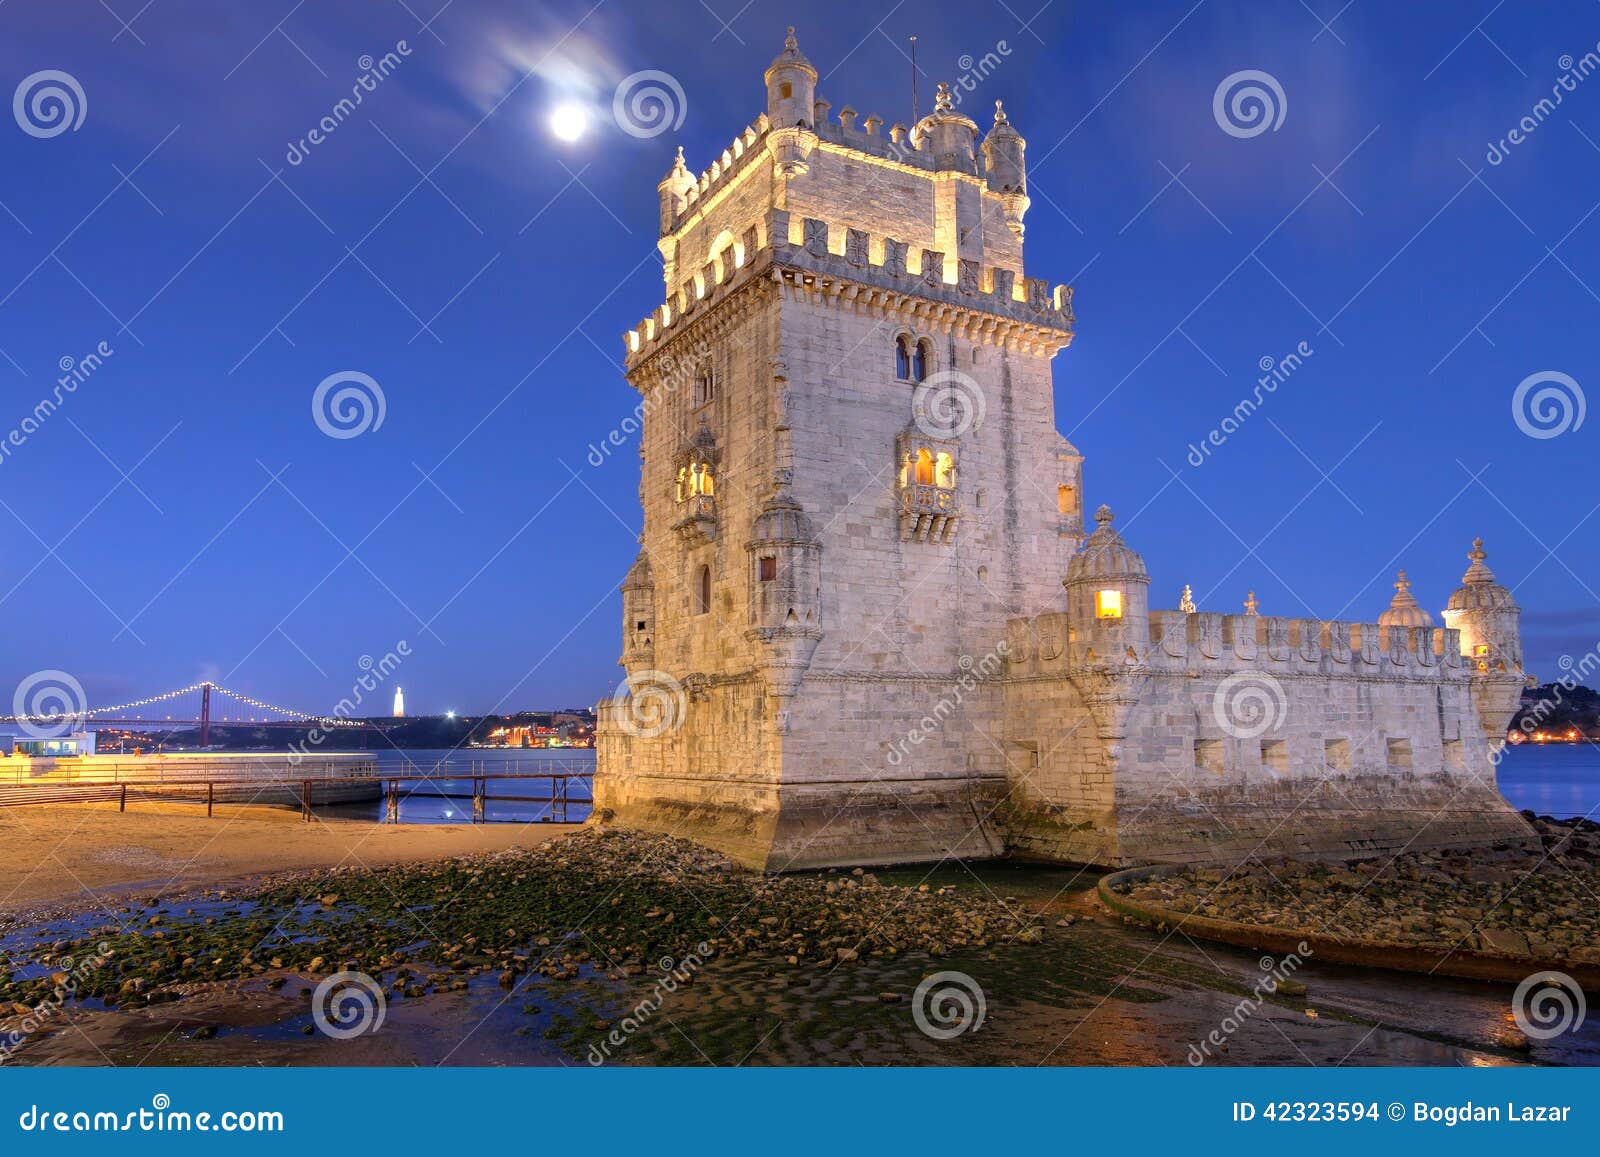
(569, 121)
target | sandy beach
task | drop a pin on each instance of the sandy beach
(83, 852)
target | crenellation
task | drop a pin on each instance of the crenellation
(820, 246)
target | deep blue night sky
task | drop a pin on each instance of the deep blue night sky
(488, 303)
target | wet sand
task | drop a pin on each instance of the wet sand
(84, 853)
(1096, 991)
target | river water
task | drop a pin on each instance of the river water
(1558, 780)
(1561, 780)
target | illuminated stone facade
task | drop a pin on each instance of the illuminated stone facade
(865, 624)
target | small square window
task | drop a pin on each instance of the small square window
(1336, 754)
(1108, 604)
(1275, 756)
(767, 569)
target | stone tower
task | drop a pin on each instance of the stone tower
(1490, 623)
(851, 480)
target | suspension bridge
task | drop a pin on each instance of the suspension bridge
(75, 713)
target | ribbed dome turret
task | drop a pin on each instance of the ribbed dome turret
(1404, 610)
(638, 576)
(1479, 591)
(1105, 555)
(782, 519)
(792, 57)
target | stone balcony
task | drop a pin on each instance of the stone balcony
(697, 519)
(928, 513)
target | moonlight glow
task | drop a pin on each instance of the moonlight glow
(569, 121)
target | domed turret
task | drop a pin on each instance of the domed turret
(1005, 169)
(791, 87)
(674, 190)
(1404, 610)
(638, 616)
(1488, 618)
(785, 590)
(1107, 583)
(950, 136)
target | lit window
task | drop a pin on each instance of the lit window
(1481, 649)
(1108, 604)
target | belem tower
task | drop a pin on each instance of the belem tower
(868, 623)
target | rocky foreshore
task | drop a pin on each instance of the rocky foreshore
(1535, 904)
(607, 901)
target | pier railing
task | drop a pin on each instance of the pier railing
(302, 790)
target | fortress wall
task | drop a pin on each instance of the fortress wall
(1255, 735)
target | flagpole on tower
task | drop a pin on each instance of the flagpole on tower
(914, 116)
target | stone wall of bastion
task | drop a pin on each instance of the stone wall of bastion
(1368, 740)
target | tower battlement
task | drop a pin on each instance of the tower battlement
(851, 262)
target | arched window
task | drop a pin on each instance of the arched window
(924, 468)
(920, 361)
(902, 357)
(702, 591)
(700, 480)
(945, 472)
(705, 387)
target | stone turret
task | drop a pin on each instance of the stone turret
(791, 87)
(1108, 607)
(638, 617)
(1005, 169)
(1488, 618)
(1404, 610)
(674, 191)
(948, 135)
(1108, 587)
(785, 592)
(1490, 623)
